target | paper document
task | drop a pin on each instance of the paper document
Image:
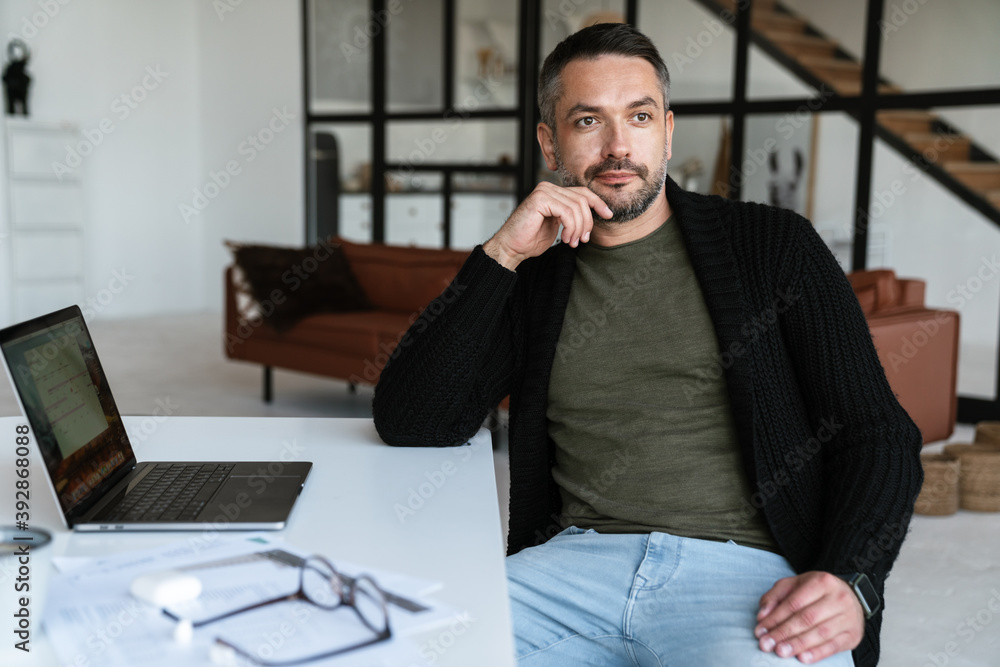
(90, 614)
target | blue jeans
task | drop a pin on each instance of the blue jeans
(587, 598)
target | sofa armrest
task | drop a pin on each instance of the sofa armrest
(876, 289)
(918, 349)
(911, 292)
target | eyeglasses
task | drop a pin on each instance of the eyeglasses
(321, 585)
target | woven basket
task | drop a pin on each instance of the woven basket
(988, 433)
(979, 487)
(939, 494)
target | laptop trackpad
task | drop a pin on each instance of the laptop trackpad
(247, 499)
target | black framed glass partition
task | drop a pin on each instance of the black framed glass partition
(822, 107)
(439, 115)
(867, 93)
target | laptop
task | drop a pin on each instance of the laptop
(93, 472)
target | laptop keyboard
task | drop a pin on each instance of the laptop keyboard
(171, 493)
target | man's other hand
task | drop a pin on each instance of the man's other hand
(533, 226)
(811, 617)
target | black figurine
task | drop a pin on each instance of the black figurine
(15, 78)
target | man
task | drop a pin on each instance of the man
(695, 401)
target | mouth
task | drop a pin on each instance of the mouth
(616, 177)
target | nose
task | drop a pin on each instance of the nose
(615, 141)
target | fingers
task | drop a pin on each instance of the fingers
(571, 208)
(790, 595)
(534, 225)
(594, 202)
(812, 648)
(811, 617)
(773, 597)
(807, 630)
(557, 206)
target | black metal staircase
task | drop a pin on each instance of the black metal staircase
(942, 151)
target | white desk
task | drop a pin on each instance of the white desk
(348, 510)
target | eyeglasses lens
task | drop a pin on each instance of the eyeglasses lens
(370, 603)
(321, 584)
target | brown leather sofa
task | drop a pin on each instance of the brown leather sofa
(918, 348)
(354, 346)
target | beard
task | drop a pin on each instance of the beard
(625, 206)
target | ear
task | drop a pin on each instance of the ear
(668, 121)
(547, 143)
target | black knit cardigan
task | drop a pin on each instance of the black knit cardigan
(832, 458)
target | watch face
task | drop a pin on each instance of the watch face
(867, 593)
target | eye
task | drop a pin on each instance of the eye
(642, 116)
(586, 121)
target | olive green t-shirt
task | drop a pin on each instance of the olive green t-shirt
(638, 406)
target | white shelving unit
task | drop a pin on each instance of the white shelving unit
(417, 218)
(356, 217)
(414, 220)
(45, 225)
(476, 217)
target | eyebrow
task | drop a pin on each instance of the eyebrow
(586, 108)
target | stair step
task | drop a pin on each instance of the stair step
(758, 5)
(980, 176)
(940, 147)
(852, 86)
(906, 122)
(833, 68)
(777, 22)
(799, 45)
(994, 197)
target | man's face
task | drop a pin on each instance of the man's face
(612, 134)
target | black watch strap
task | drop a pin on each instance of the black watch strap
(863, 588)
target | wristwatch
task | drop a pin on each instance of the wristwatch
(863, 588)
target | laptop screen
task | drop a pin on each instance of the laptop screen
(61, 384)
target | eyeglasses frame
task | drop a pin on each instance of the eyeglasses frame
(347, 596)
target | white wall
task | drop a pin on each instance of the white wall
(85, 57)
(934, 44)
(843, 21)
(224, 75)
(250, 62)
(696, 46)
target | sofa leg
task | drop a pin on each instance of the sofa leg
(268, 394)
(352, 388)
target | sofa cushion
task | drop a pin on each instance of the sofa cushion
(288, 284)
(360, 334)
(399, 278)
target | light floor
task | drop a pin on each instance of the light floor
(943, 597)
